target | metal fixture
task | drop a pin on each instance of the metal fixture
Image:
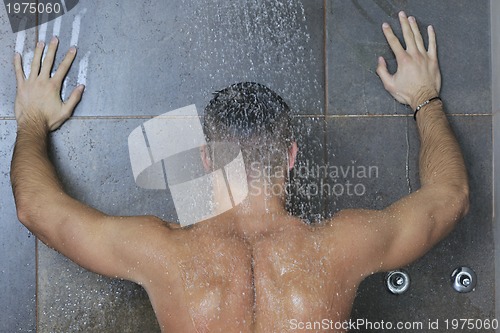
(463, 279)
(397, 282)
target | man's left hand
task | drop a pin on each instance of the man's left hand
(39, 96)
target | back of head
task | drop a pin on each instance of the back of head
(254, 118)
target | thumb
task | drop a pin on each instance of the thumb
(383, 73)
(73, 100)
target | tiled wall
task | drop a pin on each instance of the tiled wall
(17, 245)
(146, 58)
(495, 88)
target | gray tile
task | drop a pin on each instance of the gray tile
(17, 250)
(92, 159)
(495, 69)
(367, 161)
(151, 57)
(354, 87)
(71, 299)
(382, 142)
(8, 39)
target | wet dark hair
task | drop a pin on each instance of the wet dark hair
(252, 116)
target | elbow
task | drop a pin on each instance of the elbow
(462, 198)
(448, 212)
(27, 215)
(464, 201)
(459, 201)
(23, 213)
(24, 209)
(454, 205)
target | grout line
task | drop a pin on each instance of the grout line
(325, 57)
(495, 102)
(386, 115)
(293, 116)
(325, 204)
(319, 116)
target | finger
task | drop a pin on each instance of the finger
(37, 58)
(73, 100)
(432, 42)
(383, 73)
(18, 68)
(48, 63)
(416, 33)
(392, 40)
(407, 32)
(63, 68)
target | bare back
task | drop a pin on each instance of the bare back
(209, 282)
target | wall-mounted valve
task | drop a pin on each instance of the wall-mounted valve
(397, 282)
(463, 279)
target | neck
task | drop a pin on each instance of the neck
(260, 214)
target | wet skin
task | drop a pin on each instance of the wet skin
(213, 278)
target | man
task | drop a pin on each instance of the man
(254, 268)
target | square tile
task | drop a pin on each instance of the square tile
(352, 51)
(92, 159)
(159, 56)
(24, 42)
(367, 161)
(71, 299)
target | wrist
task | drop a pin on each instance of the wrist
(422, 96)
(425, 104)
(33, 123)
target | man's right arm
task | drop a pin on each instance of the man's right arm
(401, 233)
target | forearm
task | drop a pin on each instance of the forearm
(34, 180)
(441, 161)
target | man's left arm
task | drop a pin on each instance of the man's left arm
(104, 244)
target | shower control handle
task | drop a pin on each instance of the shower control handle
(397, 282)
(463, 279)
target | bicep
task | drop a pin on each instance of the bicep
(418, 222)
(113, 246)
(382, 240)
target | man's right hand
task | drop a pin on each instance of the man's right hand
(417, 78)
